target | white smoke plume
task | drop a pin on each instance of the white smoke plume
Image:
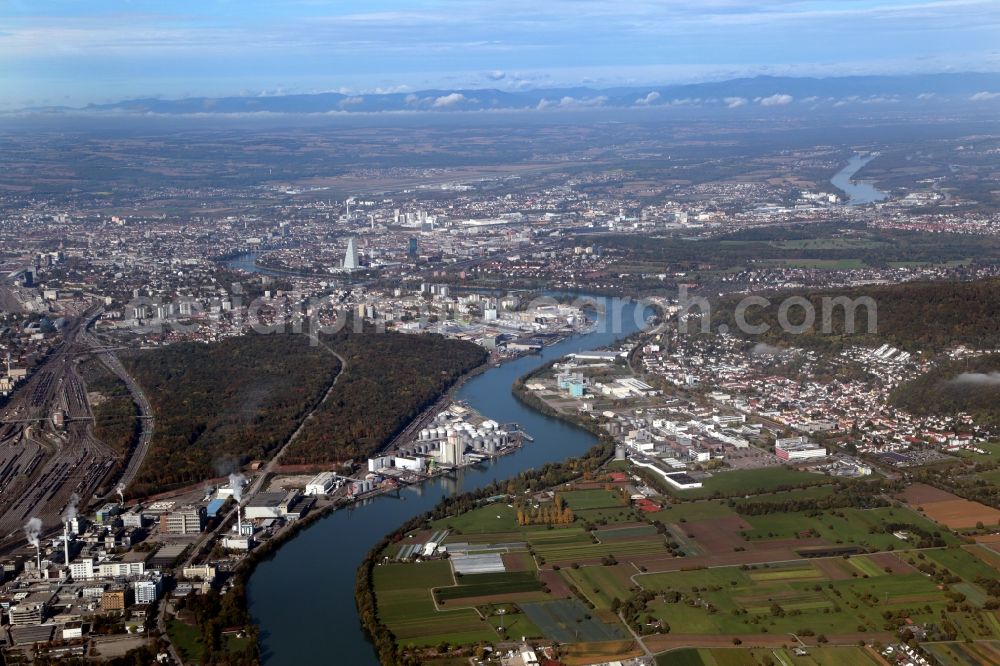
(120, 489)
(978, 378)
(32, 530)
(763, 349)
(70, 512)
(236, 481)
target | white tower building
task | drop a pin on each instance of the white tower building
(351, 256)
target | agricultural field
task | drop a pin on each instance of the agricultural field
(601, 584)
(569, 621)
(406, 606)
(867, 528)
(961, 562)
(965, 654)
(753, 481)
(801, 597)
(948, 509)
(488, 585)
(703, 571)
(828, 656)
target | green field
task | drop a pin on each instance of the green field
(812, 492)
(481, 585)
(600, 584)
(700, 510)
(860, 527)
(613, 534)
(966, 654)
(866, 566)
(961, 563)
(790, 598)
(592, 499)
(496, 517)
(405, 605)
(828, 656)
(753, 481)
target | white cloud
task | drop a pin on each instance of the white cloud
(736, 102)
(776, 100)
(352, 101)
(448, 100)
(572, 102)
(411, 99)
(496, 75)
(924, 96)
(985, 96)
(648, 99)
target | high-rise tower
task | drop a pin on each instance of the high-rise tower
(351, 256)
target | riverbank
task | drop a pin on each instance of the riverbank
(324, 558)
(388, 649)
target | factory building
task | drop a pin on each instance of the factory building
(411, 463)
(288, 505)
(119, 569)
(133, 518)
(205, 572)
(82, 570)
(798, 448)
(322, 484)
(186, 520)
(26, 615)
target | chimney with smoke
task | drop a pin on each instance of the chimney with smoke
(69, 515)
(32, 530)
(120, 489)
(236, 481)
(66, 542)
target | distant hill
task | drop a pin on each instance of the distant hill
(757, 92)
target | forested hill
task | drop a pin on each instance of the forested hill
(390, 378)
(970, 386)
(924, 316)
(223, 404)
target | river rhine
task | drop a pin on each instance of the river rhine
(859, 192)
(303, 597)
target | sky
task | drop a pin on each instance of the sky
(74, 52)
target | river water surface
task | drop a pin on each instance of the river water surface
(859, 192)
(303, 597)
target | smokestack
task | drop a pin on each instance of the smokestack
(236, 481)
(66, 542)
(32, 530)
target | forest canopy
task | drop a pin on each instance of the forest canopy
(949, 314)
(223, 404)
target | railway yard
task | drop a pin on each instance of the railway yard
(48, 452)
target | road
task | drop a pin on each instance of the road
(146, 417)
